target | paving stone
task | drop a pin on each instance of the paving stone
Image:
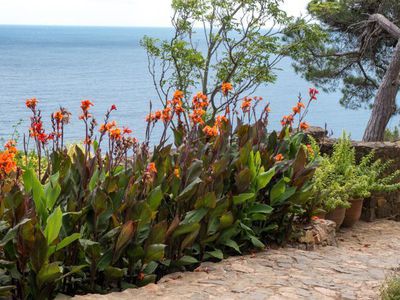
(355, 269)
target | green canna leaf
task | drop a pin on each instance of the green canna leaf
(53, 227)
(243, 198)
(154, 252)
(155, 198)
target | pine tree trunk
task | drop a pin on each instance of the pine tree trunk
(385, 101)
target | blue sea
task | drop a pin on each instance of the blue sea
(63, 65)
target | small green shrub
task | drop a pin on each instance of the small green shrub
(392, 135)
(340, 178)
(379, 176)
(391, 289)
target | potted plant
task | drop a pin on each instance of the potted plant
(359, 189)
(330, 192)
(369, 177)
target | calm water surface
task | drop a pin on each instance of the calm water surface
(62, 65)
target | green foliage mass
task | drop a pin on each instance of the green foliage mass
(217, 41)
(339, 178)
(90, 226)
(391, 289)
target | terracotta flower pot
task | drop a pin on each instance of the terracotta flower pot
(353, 213)
(337, 216)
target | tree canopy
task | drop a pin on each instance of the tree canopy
(342, 51)
(218, 41)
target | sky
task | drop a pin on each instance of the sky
(144, 13)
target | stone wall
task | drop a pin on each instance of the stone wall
(386, 205)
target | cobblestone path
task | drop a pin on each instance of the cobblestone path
(354, 270)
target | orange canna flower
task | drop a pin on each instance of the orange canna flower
(107, 127)
(150, 118)
(197, 116)
(279, 157)
(166, 114)
(211, 131)
(296, 110)
(200, 101)
(7, 163)
(31, 103)
(246, 104)
(300, 105)
(304, 126)
(115, 134)
(177, 173)
(178, 95)
(287, 120)
(58, 116)
(226, 88)
(178, 109)
(158, 115)
(220, 120)
(10, 146)
(151, 168)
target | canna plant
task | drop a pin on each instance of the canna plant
(113, 213)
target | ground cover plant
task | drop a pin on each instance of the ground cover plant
(113, 213)
(391, 289)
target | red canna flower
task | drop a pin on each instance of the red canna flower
(278, 157)
(85, 105)
(126, 130)
(113, 107)
(313, 92)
